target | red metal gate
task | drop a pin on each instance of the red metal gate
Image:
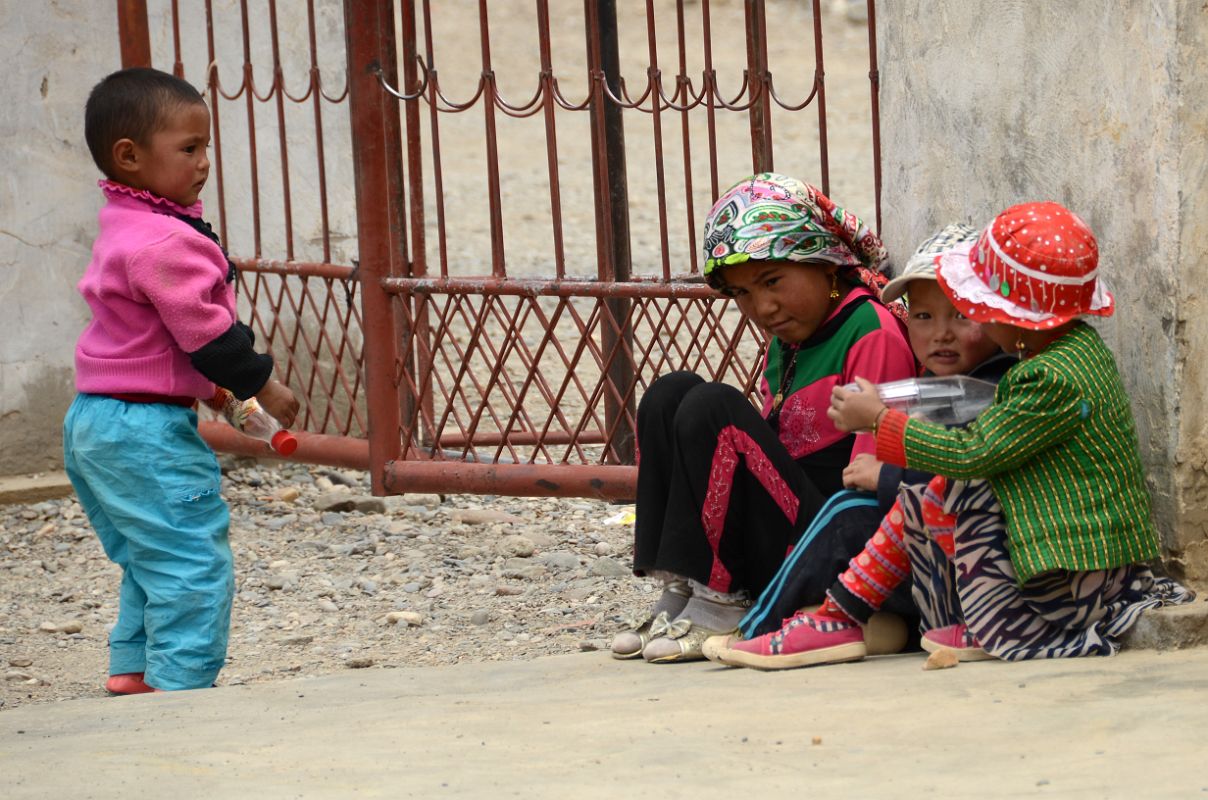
(433, 360)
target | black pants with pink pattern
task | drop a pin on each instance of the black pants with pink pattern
(719, 498)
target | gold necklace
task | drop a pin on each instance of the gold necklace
(786, 378)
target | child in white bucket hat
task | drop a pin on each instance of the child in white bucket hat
(1047, 558)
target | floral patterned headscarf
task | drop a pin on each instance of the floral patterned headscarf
(771, 216)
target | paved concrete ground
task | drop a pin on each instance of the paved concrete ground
(586, 726)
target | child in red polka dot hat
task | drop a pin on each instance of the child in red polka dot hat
(1036, 266)
(1053, 515)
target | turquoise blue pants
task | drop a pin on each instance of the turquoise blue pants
(150, 486)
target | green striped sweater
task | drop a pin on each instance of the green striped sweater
(1059, 446)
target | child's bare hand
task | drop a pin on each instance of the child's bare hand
(277, 399)
(855, 411)
(863, 472)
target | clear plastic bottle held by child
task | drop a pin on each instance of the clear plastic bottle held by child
(249, 418)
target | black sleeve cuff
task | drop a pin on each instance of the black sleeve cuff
(888, 482)
(251, 334)
(230, 362)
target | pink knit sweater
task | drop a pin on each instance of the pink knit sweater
(158, 291)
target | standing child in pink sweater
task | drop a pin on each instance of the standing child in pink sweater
(163, 333)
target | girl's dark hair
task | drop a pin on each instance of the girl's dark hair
(131, 104)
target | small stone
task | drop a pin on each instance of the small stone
(424, 500)
(275, 582)
(20, 662)
(481, 516)
(360, 662)
(334, 501)
(74, 626)
(603, 549)
(288, 494)
(368, 504)
(339, 477)
(411, 587)
(517, 546)
(560, 559)
(411, 619)
(298, 640)
(16, 675)
(327, 605)
(480, 617)
(49, 627)
(817, 740)
(605, 567)
(941, 659)
(503, 590)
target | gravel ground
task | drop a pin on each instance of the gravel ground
(329, 578)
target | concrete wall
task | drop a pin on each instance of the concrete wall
(48, 204)
(1098, 105)
(57, 50)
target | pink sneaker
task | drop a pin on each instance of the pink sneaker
(805, 640)
(957, 639)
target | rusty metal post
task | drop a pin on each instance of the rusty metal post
(874, 87)
(377, 167)
(612, 219)
(757, 72)
(133, 33)
(415, 262)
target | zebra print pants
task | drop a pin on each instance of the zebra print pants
(1058, 614)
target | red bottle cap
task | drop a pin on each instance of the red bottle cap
(284, 442)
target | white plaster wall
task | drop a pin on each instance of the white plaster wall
(56, 51)
(1095, 104)
(48, 203)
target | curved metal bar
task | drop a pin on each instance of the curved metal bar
(215, 82)
(396, 93)
(786, 106)
(627, 103)
(733, 105)
(310, 87)
(566, 104)
(450, 105)
(683, 86)
(526, 110)
(329, 98)
(249, 71)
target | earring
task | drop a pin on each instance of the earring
(1019, 345)
(834, 292)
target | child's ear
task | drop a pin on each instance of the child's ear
(125, 156)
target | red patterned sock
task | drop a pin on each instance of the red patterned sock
(831, 610)
(882, 565)
(940, 524)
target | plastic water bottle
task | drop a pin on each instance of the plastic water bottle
(953, 400)
(248, 417)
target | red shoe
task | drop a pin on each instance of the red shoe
(128, 683)
(805, 640)
(957, 639)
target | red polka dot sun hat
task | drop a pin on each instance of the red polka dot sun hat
(1035, 266)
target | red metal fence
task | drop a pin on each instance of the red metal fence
(478, 339)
